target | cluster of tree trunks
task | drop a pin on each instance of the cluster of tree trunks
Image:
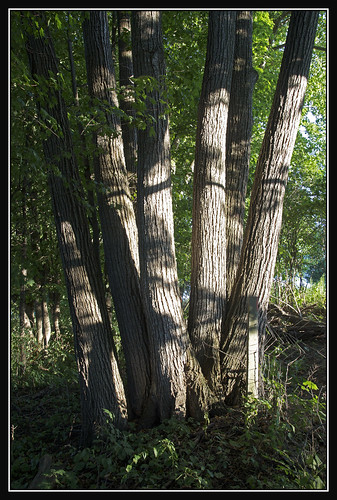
(260, 241)
(100, 381)
(173, 369)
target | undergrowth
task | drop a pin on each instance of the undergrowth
(311, 296)
(276, 442)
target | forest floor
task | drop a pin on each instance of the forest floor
(276, 443)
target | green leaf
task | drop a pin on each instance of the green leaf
(308, 384)
(58, 22)
(319, 484)
(235, 444)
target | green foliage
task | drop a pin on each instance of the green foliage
(276, 442)
(315, 294)
(302, 243)
(147, 93)
(296, 408)
(43, 366)
(44, 406)
(185, 38)
(310, 297)
(303, 237)
(161, 458)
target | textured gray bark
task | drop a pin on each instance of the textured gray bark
(45, 322)
(239, 130)
(39, 327)
(257, 262)
(56, 313)
(92, 216)
(208, 274)
(100, 383)
(23, 276)
(118, 222)
(125, 72)
(158, 271)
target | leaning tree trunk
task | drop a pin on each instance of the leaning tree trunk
(126, 98)
(84, 157)
(208, 272)
(158, 270)
(260, 245)
(100, 383)
(118, 222)
(239, 131)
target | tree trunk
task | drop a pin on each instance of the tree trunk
(29, 310)
(208, 272)
(100, 383)
(158, 269)
(125, 72)
(39, 325)
(256, 268)
(117, 216)
(239, 131)
(92, 216)
(46, 327)
(56, 313)
(23, 323)
(23, 278)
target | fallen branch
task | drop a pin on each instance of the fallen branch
(291, 322)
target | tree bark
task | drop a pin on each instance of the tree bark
(90, 190)
(129, 132)
(158, 270)
(23, 277)
(261, 237)
(239, 131)
(208, 272)
(46, 327)
(56, 313)
(118, 222)
(39, 325)
(100, 383)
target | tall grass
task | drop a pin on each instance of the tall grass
(311, 296)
